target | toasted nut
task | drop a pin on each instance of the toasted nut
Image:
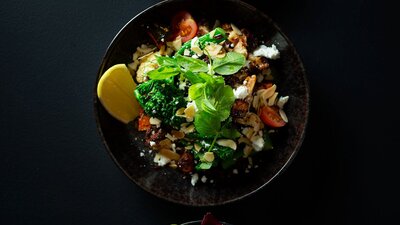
(166, 143)
(248, 132)
(244, 140)
(173, 165)
(209, 156)
(235, 29)
(282, 101)
(271, 101)
(250, 82)
(247, 151)
(197, 147)
(178, 134)
(283, 115)
(227, 143)
(187, 129)
(169, 154)
(190, 111)
(180, 112)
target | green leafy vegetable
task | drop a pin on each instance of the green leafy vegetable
(217, 35)
(163, 72)
(207, 124)
(161, 99)
(230, 64)
(191, 64)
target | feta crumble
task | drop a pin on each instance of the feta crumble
(241, 92)
(161, 160)
(195, 178)
(268, 52)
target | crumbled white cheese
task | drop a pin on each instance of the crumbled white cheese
(195, 46)
(257, 142)
(141, 154)
(205, 144)
(152, 143)
(161, 160)
(195, 178)
(235, 171)
(241, 92)
(182, 84)
(268, 52)
(203, 179)
(186, 52)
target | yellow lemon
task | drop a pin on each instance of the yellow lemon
(115, 92)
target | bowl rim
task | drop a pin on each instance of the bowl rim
(286, 164)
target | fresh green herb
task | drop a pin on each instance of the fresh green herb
(164, 72)
(217, 36)
(214, 100)
(191, 64)
(230, 64)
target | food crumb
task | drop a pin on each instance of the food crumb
(195, 178)
(235, 171)
(203, 179)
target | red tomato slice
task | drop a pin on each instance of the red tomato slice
(271, 117)
(187, 30)
(179, 17)
(184, 25)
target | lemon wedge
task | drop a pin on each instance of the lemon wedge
(115, 92)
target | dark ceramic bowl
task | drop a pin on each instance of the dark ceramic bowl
(167, 183)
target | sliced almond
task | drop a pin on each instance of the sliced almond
(283, 115)
(178, 134)
(236, 29)
(250, 81)
(209, 156)
(282, 101)
(166, 143)
(197, 147)
(247, 151)
(169, 154)
(271, 101)
(227, 143)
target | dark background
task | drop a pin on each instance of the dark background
(55, 170)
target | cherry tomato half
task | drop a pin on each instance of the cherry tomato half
(187, 30)
(184, 25)
(271, 117)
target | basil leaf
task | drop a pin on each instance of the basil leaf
(163, 72)
(192, 64)
(208, 106)
(230, 64)
(166, 61)
(207, 124)
(204, 166)
(193, 78)
(230, 133)
(224, 99)
(196, 91)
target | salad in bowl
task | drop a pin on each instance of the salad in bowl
(205, 106)
(206, 95)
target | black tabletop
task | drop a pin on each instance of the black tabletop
(55, 170)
